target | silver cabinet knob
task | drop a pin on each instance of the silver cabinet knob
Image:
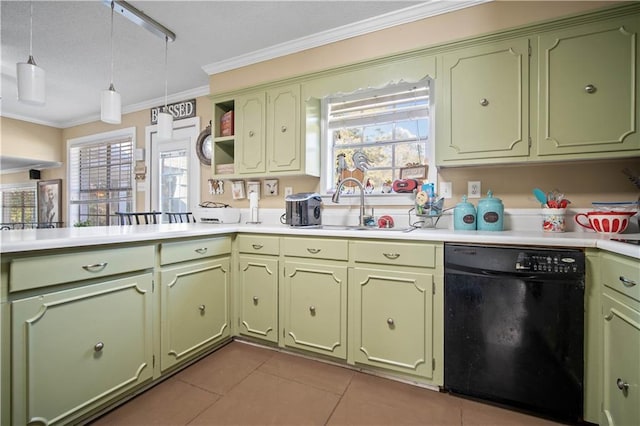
(590, 88)
(256, 246)
(312, 309)
(283, 129)
(251, 133)
(255, 300)
(484, 102)
(390, 321)
(622, 385)
(98, 347)
(202, 308)
(202, 250)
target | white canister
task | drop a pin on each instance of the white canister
(553, 220)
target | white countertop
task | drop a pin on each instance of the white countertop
(45, 239)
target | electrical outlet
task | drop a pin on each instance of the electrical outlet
(474, 189)
(288, 190)
(446, 189)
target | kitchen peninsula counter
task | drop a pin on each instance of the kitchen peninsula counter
(57, 238)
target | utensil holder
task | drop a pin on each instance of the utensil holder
(554, 220)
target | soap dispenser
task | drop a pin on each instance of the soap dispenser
(464, 216)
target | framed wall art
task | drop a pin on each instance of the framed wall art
(50, 201)
(270, 187)
(237, 189)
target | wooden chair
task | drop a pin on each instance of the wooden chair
(181, 217)
(138, 218)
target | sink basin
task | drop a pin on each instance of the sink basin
(360, 228)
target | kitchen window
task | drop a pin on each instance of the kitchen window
(19, 209)
(391, 126)
(101, 177)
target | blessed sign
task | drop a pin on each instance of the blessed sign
(179, 110)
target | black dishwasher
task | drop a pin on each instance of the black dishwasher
(514, 327)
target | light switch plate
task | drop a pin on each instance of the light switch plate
(446, 189)
(474, 189)
(288, 190)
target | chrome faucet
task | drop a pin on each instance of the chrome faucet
(336, 196)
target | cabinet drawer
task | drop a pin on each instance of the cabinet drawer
(407, 254)
(194, 249)
(259, 244)
(41, 271)
(621, 274)
(317, 248)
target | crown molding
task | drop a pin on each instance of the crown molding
(186, 94)
(391, 19)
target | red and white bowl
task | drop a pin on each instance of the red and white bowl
(605, 222)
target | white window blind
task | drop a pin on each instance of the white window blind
(101, 180)
(390, 126)
(19, 209)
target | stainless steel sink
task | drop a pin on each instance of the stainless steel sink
(360, 228)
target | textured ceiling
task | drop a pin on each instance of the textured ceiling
(71, 42)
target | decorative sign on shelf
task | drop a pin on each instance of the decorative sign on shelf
(179, 110)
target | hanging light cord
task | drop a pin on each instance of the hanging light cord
(31, 60)
(166, 49)
(111, 86)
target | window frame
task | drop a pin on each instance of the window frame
(22, 186)
(327, 162)
(98, 138)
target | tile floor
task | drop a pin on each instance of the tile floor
(242, 384)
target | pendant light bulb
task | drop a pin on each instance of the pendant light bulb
(110, 102)
(31, 78)
(110, 106)
(165, 118)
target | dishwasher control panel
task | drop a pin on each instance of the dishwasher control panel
(558, 263)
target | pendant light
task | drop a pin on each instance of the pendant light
(110, 103)
(165, 119)
(31, 77)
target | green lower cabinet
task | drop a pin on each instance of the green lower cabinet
(621, 373)
(315, 306)
(193, 308)
(391, 320)
(258, 297)
(76, 349)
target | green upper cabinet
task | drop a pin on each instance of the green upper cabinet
(589, 89)
(483, 104)
(283, 129)
(276, 132)
(251, 134)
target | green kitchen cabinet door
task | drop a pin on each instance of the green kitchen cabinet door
(483, 104)
(194, 309)
(315, 307)
(392, 320)
(250, 139)
(621, 374)
(76, 349)
(284, 141)
(589, 88)
(258, 297)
